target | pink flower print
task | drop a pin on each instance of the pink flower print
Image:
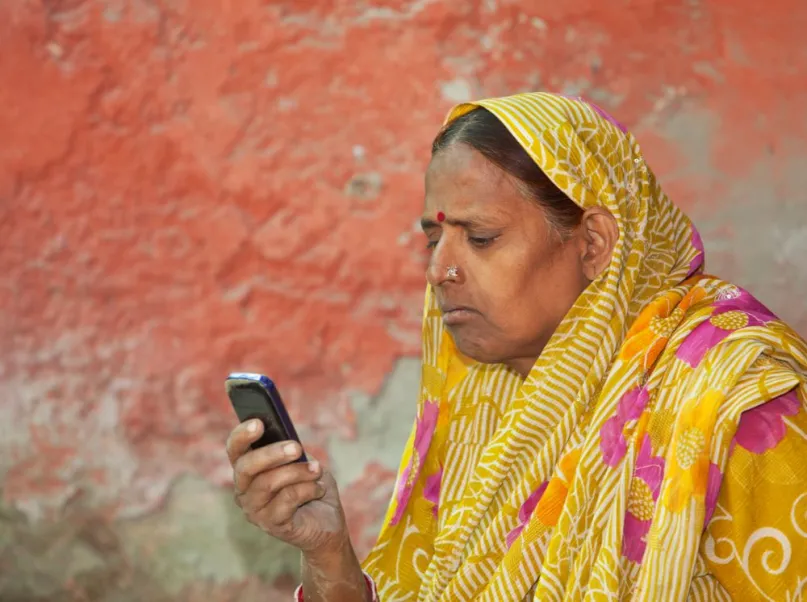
(745, 301)
(424, 431)
(763, 427)
(525, 512)
(612, 439)
(715, 480)
(644, 491)
(632, 404)
(697, 242)
(431, 489)
(729, 315)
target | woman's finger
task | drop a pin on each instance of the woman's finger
(290, 498)
(272, 482)
(241, 437)
(267, 485)
(264, 459)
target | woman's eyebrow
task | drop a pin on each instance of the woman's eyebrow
(427, 222)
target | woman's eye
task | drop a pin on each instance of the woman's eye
(431, 244)
(481, 242)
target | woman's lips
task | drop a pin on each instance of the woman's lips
(457, 314)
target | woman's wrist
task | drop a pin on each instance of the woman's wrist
(333, 573)
(337, 552)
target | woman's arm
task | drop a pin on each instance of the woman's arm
(334, 576)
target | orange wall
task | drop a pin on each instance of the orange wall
(188, 188)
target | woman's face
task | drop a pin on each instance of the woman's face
(515, 279)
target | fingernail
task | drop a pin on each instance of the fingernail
(290, 450)
(313, 466)
(252, 427)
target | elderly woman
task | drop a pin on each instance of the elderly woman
(597, 419)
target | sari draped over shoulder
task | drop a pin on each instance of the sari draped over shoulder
(652, 452)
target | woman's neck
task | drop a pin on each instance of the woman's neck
(522, 365)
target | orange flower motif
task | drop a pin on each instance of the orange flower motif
(655, 325)
(688, 457)
(551, 504)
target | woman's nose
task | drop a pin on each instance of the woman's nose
(439, 263)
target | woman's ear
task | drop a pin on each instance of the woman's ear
(599, 232)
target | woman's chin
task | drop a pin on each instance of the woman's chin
(474, 347)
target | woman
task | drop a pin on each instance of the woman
(597, 420)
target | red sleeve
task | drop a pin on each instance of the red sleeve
(371, 589)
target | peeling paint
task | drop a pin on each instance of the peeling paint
(191, 189)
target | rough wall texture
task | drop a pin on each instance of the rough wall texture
(188, 188)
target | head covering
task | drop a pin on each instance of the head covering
(595, 475)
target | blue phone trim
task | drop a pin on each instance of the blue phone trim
(254, 377)
(271, 390)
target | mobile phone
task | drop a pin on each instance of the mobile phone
(256, 396)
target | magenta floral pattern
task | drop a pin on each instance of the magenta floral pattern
(431, 490)
(729, 315)
(424, 431)
(525, 513)
(715, 479)
(763, 427)
(644, 492)
(612, 439)
(697, 261)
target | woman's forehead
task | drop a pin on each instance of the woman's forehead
(460, 169)
(472, 205)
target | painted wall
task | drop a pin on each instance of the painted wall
(188, 188)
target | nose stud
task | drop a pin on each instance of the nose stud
(452, 272)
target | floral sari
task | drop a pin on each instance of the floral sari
(657, 451)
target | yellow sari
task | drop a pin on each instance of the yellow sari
(657, 451)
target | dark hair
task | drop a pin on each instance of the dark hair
(481, 130)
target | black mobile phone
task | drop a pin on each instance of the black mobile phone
(256, 396)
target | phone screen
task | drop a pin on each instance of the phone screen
(251, 401)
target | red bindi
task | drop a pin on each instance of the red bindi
(441, 216)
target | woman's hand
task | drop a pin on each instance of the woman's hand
(296, 502)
